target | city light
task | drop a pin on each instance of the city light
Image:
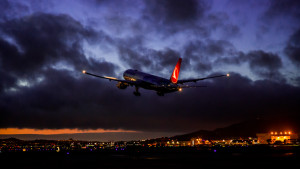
(281, 133)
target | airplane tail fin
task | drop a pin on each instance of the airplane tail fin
(175, 74)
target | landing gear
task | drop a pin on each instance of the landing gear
(136, 92)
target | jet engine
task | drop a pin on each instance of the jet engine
(122, 85)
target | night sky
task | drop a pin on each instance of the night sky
(44, 46)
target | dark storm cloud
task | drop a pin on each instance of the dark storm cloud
(174, 11)
(209, 48)
(199, 52)
(30, 47)
(9, 9)
(283, 8)
(264, 64)
(34, 46)
(175, 16)
(44, 39)
(292, 50)
(281, 16)
(34, 43)
(168, 19)
(202, 53)
(148, 59)
(63, 101)
(220, 21)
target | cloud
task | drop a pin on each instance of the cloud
(219, 23)
(147, 59)
(42, 87)
(292, 49)
(194, 18)
(63, 101)
(35, 46)
(264, 64)
(9, 10)
(283, 8)
(42, 39)
(173, 11)
(172, 17)
(202, 53)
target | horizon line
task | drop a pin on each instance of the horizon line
(31, 131)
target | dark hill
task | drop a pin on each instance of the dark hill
(245, 129)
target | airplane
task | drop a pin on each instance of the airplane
(151, 82)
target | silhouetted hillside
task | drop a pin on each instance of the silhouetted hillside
(245, 129)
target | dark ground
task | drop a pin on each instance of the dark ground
(213, 157)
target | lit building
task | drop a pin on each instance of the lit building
(284, 137)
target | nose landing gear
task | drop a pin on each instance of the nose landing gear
(136, 92)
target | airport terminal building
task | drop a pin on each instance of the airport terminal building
(275, 137)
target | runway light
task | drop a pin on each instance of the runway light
(83, 71)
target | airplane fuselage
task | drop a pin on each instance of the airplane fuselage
(150, 82)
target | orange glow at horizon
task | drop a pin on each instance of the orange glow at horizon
(56, 131)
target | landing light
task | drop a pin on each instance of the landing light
(83, 71)
(227, 74)
(180, 89)
(113, 78)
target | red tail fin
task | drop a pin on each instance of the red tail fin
(175, 74)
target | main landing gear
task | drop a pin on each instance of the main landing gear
(136, 92)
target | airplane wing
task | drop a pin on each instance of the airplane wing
(109, 78)
(191, 86)
(195, 80)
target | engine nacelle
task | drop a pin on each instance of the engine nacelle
(122, 85)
